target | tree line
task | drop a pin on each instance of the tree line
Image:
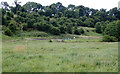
(58, 19)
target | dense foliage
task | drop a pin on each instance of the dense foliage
(58, 19)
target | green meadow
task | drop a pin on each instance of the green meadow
(76, 55)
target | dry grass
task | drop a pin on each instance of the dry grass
(19, 49)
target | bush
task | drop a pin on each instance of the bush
(55, 31)
(25, 25)
(77, 32)
(12, 26)
(93, 30)
(8, 32)
(87, 30)
(98, 27)
(81, 30)
(63, 29)
(111, 29)
(69, 28)
(108, 38)
(51, 40)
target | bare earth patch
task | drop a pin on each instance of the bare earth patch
(35, 39)
(19, 49)
(91, 37)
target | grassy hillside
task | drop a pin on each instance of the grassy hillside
(40, 34)
(90, 31)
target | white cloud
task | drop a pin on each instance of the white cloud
(96, 4)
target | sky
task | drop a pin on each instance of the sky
(96, 4)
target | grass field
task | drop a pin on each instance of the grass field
(80, 55)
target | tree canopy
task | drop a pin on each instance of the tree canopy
(57, 19)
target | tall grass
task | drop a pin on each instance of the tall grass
(44, 56)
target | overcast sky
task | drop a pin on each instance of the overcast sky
(96, 4)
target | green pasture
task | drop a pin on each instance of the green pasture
(79, 55)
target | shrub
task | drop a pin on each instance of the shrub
(8, 32)
(25, 25)
(51, 40)
(93, 30)
(12, 26)
(98, 27)
(63, 29)
(55, 31)
(77, 32)
(111, 29)
(87, 30)
(82, 30)
(108, 38)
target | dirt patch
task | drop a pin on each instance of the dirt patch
(10, 41)
(19, 49)
(58, 40)
(91, 37)
(35, 39)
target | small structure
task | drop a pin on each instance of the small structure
(73, 37)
